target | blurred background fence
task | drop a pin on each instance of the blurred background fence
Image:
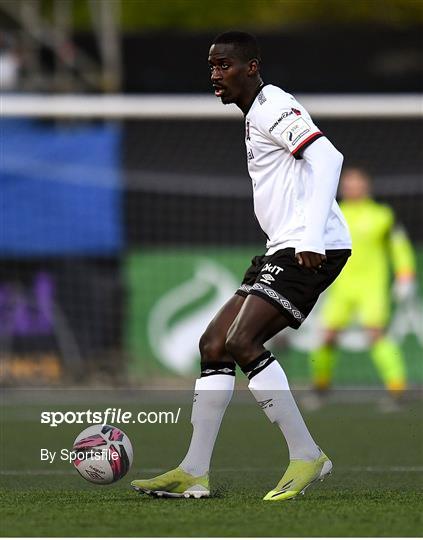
(127, 220)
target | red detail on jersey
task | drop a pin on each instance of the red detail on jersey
(305, 141)
(296, 111)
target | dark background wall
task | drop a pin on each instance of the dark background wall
(315, 58)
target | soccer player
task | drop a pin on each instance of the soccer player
(363, 290)
(295, 172)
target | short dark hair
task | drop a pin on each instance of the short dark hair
(245, 44)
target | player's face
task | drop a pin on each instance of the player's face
(354, 185)
(228, 73)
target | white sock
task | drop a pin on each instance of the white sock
(212, 395)
(271, 389)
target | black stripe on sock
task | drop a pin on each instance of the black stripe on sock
(257, 365)
(217, 368)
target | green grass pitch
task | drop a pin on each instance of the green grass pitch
(375, 490)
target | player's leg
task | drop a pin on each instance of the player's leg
(268, 381)
(213, 390)
(385, 352)
(212, 342)
(389, 361)
(283, 295)
(336, 314)
(322, 361)
(269, 385)
(212, 393)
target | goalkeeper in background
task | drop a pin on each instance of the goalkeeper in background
(362, 293)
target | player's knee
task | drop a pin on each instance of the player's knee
(212, 348)
(240, 346)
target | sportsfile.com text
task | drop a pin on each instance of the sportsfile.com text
(109, 416)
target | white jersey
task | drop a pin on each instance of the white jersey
(277, 130)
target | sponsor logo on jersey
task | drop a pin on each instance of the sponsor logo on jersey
(271, 268)
(247, 130)
(279, 120)
(296, 131)
(296, 111)
(250, 155)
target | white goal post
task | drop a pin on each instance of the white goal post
(201, 106)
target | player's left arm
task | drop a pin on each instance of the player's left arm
(403, 262)
(325, 163)
(292, 128)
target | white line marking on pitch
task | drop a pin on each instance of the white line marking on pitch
(376, 469)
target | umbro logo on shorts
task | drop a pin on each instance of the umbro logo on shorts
(267, 278)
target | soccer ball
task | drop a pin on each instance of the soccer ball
(102, 454)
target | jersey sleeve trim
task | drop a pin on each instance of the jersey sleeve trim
(303, 145)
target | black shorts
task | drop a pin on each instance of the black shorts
(291, 288)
